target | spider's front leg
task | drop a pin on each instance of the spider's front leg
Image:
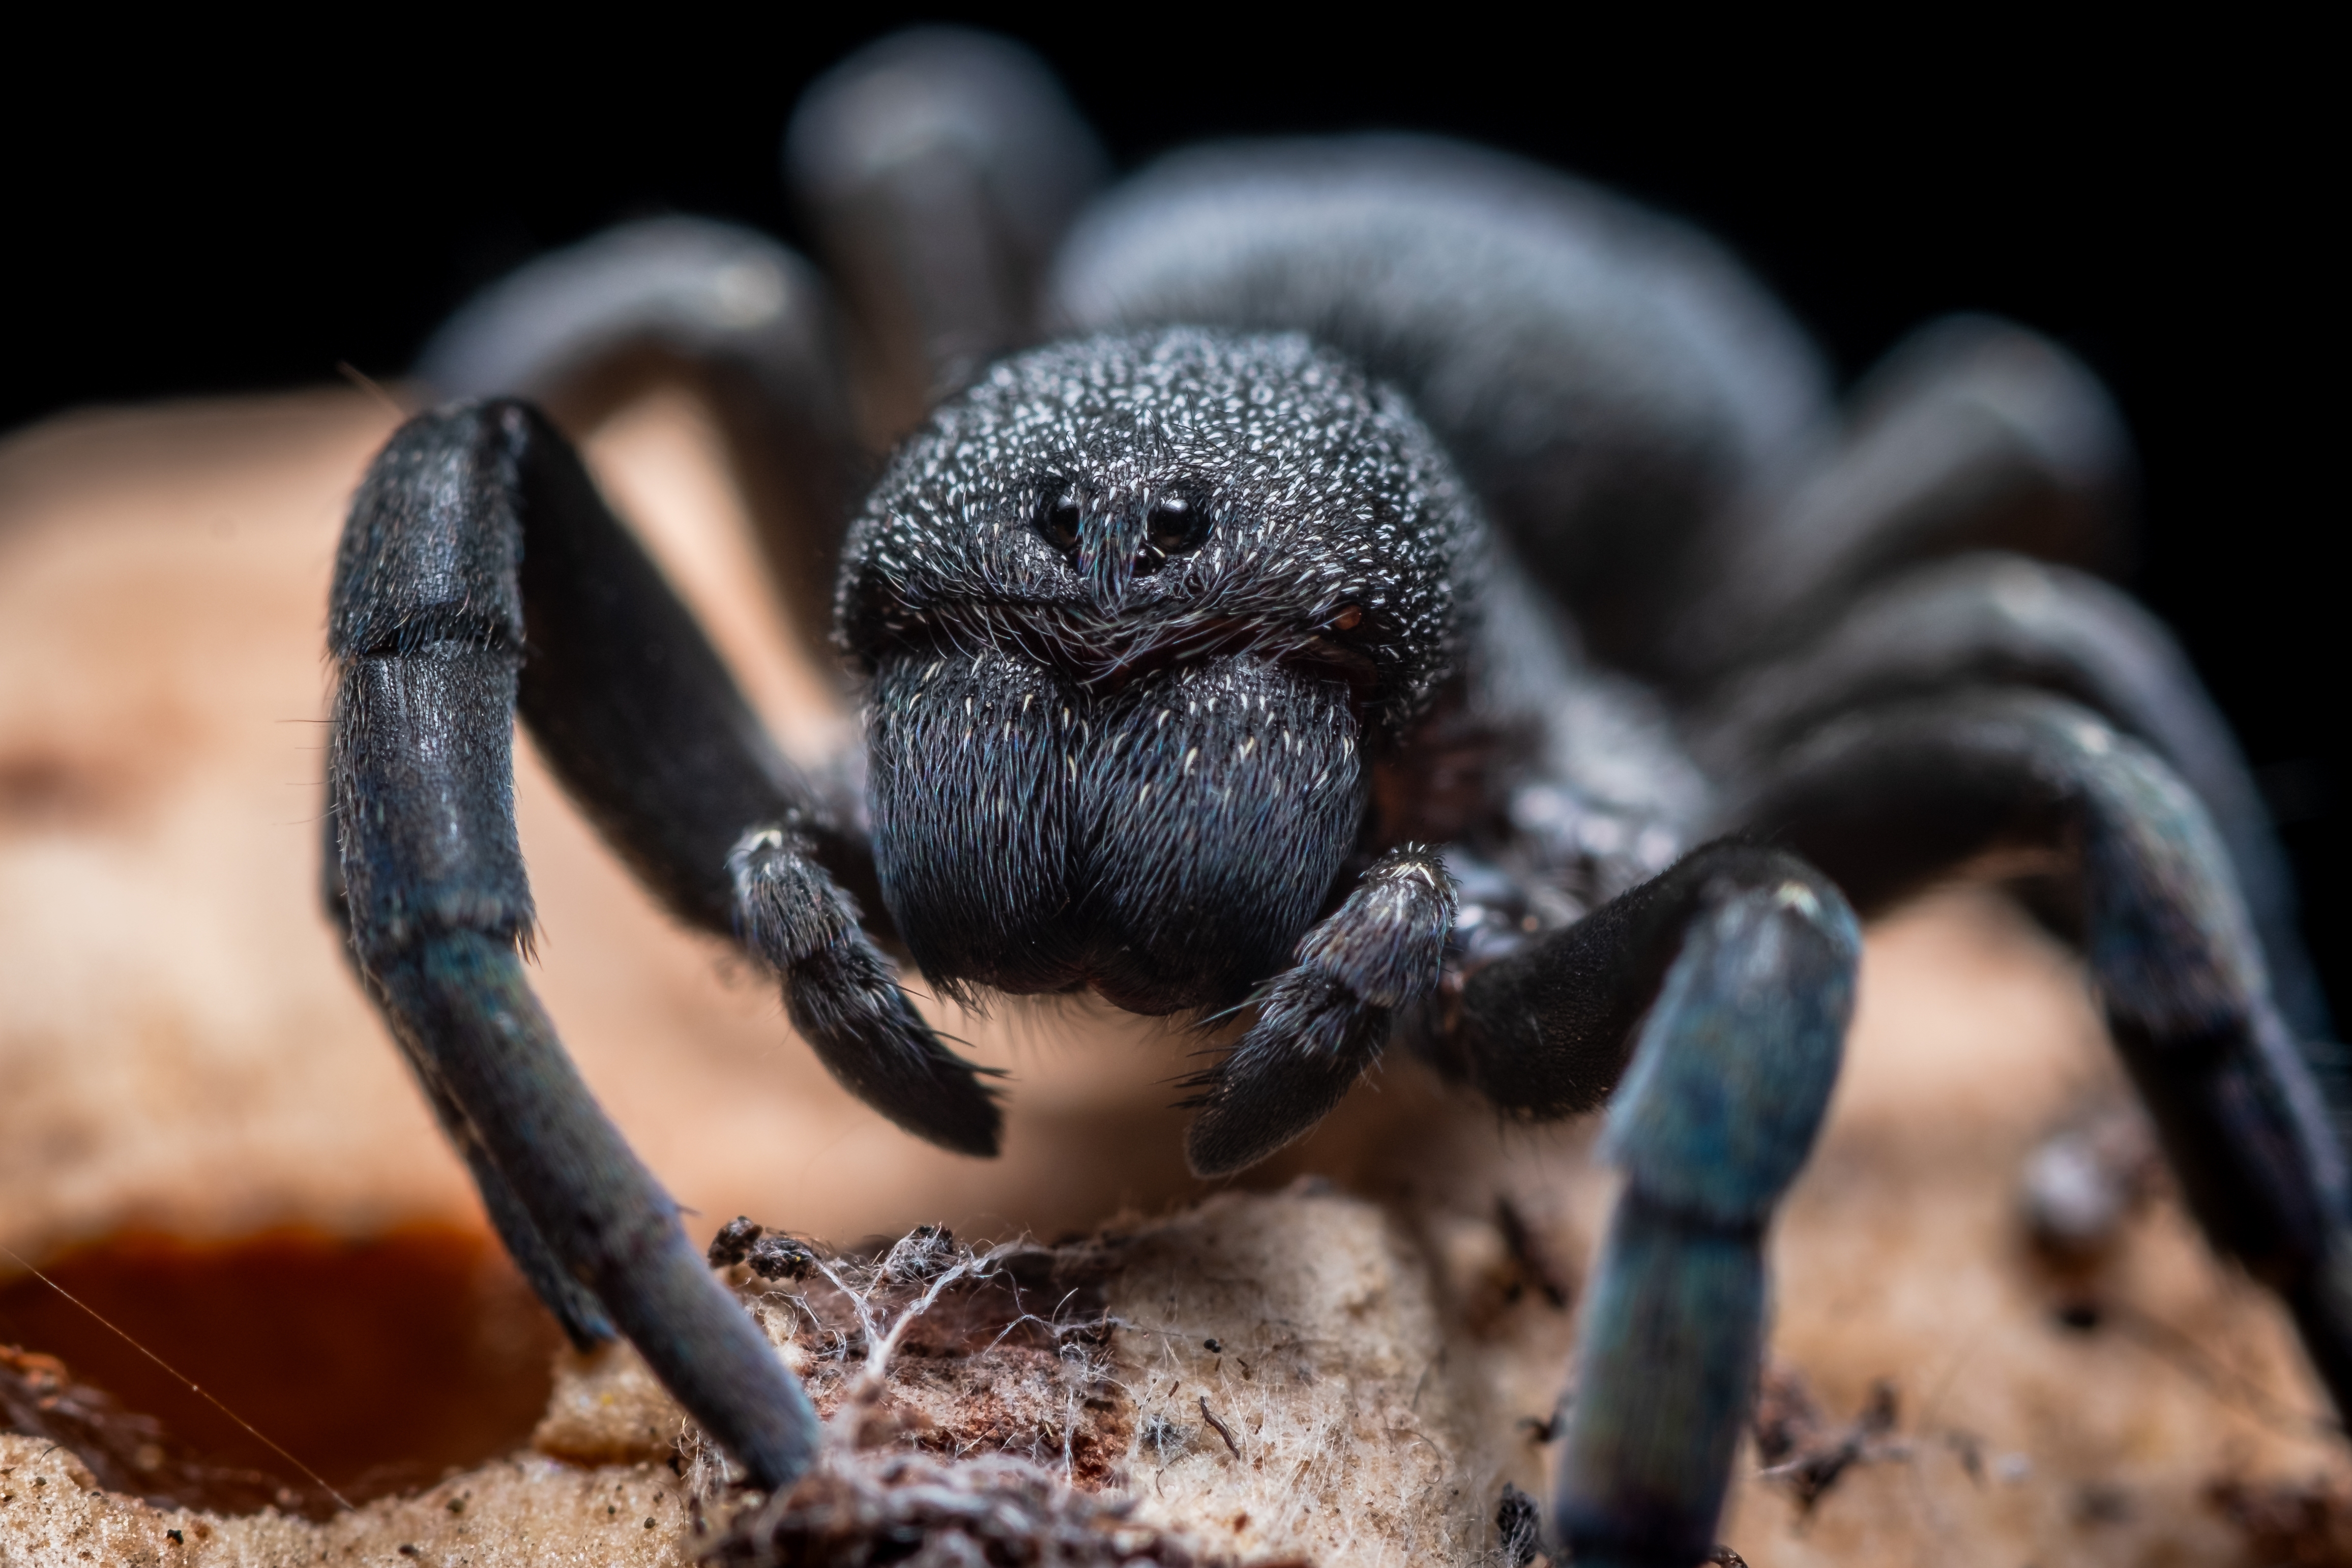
(1322, 1023)
(475, 524)
(1727, 983)
(843, 995)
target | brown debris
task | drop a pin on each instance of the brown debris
(2287, 1524)
(123, 1452)
(1519, 1528)
(995, 1353)
(1014, 1297)
(1494, 1261)
(2086, 1181)
(733, 1241)
(1798, 1451)
(1222, 1431)
(986, 1510)
(1532, 1254)
(906, 1345)
(770, 1254)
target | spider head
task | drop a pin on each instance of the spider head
(1133, 611)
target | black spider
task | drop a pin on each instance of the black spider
(1391, 559)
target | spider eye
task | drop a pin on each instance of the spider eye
(1177, 525)
(1057, 520)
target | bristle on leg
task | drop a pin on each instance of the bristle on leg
(1322, 1023)
(845, 999)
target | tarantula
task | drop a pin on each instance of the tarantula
(1370, 581)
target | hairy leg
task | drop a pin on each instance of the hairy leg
(479, 575)
(1885, 800)
(1986, 620)
(1974, 434)
(741, 318)
(1321, 1023)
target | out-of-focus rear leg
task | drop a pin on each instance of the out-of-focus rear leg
(1975, 433)
(1885, 800)
(939, 167)
(744, 321)
(1990, 621)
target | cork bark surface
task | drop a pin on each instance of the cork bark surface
(1342, 1360)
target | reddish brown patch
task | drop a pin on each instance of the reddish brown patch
(123, 1452)
(1799, 1450)
(2296, 1524)
(377, 1363)
(42, 789)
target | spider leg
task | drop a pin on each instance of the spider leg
(576, 1307)
(472, 523)
(2004, 620)
(1712, 1002)
(1884, 799)
(640, 720)
(1321, 1023)
(740, 317)
(1973, 433)
(939, 167)
(843, 995)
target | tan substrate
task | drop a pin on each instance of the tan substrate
(182, 1050)
(175, 1003)
(529, 1509)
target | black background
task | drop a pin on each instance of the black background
(211, 212)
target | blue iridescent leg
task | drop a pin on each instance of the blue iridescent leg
(576, 1307)
(1712, 1002)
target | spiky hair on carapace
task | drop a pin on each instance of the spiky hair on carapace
(1337, 528)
